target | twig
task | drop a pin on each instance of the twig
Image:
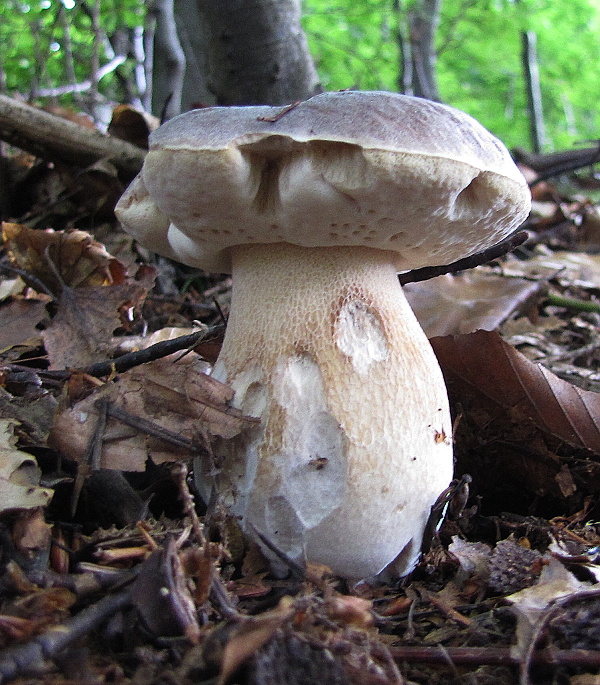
(494, 656)
(81, 87)
(29, 279)
(150, 428)
(180, 473)
(32, 656)
(483, 257)
(153, 352)
(218, 593)
(137, 358)
(276, 117)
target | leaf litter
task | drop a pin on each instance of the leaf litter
(99, 518)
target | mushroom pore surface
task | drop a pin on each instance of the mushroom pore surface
(314, 209)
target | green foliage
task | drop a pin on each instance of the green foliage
(479, 58)
(355, 45)
(35, 35)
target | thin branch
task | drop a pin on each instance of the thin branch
(494, 656)
(483, 257)
(88, 84)
(153, 352)
(32, 656)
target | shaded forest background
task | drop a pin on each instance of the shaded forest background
(93, 54)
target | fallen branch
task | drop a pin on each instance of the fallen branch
(56, 139)
(32, 657)
(494, 656)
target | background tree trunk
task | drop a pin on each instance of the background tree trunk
(534, 92)
(424, 20)
(418, 23)
(242, 52)
(169, 64)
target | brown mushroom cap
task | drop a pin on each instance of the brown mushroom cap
(372, 169)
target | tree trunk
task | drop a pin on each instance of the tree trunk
(423, 26)
(245, 52)
(417, 51)
(169, 65)
(534, 93)
(405, 72)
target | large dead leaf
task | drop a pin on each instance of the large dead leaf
(529, 439)
(463, 303)
(18, 321)
(483, 362)
(170, 395)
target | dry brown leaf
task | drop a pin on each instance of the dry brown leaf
(18, 321)
(81, 332)
(463, 303)
(484, 363)
(131, 125)
(57, 258)
(177, 397)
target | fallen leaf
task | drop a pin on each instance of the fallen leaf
(573, 268)
(161, 596)
(482, 362)
(19, 474)
(463, 303)
(173, 394)
(18, 321)
(81, 332)
(131, 125)
(251, 634)
(531, 605)
(57, 258)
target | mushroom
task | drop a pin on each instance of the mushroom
(314, 208)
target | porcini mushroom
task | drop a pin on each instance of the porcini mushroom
(314, 208)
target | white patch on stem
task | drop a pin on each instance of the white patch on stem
(360, 335)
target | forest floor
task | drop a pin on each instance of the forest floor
(114, 571)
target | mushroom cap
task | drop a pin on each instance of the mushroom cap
(375, 169)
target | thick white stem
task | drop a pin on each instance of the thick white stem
(354, 443)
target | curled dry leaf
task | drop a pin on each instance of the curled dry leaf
(132, 125)
(162, 598)
(249, 636)
(58, 258)
(533, 604)
(19, 474)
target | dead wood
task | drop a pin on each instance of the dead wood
(55, 139)
(492, 656)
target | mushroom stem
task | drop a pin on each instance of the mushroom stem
(354, 442)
